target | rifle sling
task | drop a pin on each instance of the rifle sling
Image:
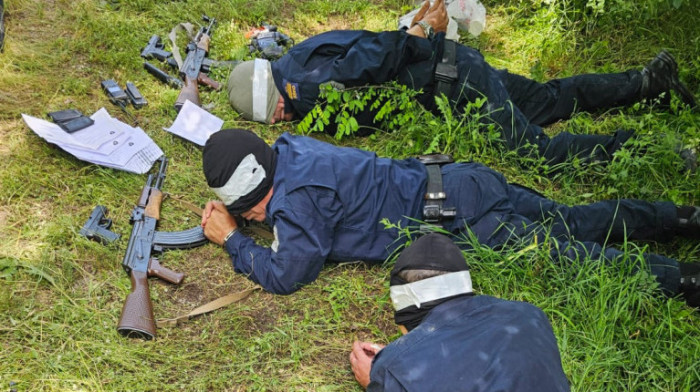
(208, 307)
(189, 28)
(185, 203)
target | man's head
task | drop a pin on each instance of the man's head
(428, 272)
(239, 167)
(252, 91)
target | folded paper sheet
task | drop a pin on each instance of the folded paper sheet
(195, 124)
(108, 142)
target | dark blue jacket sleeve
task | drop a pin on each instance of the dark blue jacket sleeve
(303, 232)
(353, 58)
(385, 382)
(380, 58)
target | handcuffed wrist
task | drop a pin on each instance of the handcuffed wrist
(229, 235)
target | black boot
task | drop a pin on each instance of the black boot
(661, 76)
(690, 283)
(688, 221)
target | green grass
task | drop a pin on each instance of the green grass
(61, 294)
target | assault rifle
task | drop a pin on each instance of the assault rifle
(195, 66)
(139, 263)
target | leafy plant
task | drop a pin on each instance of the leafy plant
(415, 131)
(391, 105)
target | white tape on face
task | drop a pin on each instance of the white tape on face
(248, 175)
(426, 290)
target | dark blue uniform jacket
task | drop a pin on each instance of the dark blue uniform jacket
(473, 344)
(328, 203)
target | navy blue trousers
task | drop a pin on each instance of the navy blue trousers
(499, 214)
(522, 106)
(546, 103)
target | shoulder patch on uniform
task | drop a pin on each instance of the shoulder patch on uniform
(292, 89)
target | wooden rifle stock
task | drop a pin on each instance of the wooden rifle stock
(189, 92)
(137, 319)
(137, 314)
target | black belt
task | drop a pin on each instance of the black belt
(446, 70)
(433, 210)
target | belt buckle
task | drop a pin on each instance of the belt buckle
(445, 72)
(431, 213)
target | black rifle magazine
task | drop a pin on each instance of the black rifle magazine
(135, 96)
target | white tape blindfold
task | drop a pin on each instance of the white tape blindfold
(431, 289)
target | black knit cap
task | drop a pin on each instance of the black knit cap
(222, 154)
(432, 251)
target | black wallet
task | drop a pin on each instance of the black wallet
(71, 120)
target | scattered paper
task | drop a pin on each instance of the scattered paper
(195, 124)
(108, 142)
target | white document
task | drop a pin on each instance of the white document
(195, 124)
(89, 138)
(109, 142)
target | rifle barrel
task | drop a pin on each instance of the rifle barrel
(161, 172)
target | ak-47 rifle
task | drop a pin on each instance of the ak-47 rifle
(137, 315)
(195, 66)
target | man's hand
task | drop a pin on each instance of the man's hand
(435, 15)
(361, 358)
(217, 222)
(279, 114)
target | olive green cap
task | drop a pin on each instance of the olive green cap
(252, 91)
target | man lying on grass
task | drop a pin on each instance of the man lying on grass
(455, 340)
(423, 60)
(329, 203)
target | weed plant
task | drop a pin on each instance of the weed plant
(61, 294)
